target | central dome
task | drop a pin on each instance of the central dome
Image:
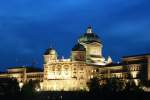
(89, 37)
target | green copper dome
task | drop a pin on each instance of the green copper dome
(89, 37)
(78, 47)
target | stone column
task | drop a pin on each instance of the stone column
(24, 75)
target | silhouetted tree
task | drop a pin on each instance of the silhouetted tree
(29, 88)
(145, 83)
(132, 87)
(94, 85)
(114, 85)
(9, 86)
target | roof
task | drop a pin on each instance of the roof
(89, 37)
(2, 72)
(17, 67)
(33, 69)
(146, 54)
(28, 68)
(108, 65)
(114, 64)
(78, 47)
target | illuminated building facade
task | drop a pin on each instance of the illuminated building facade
(23, 74)
(73, 73)
(86, 61)
(138, 67)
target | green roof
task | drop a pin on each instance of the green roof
(78, 47)
(89, 38)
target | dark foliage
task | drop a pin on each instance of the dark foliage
(114, 89)
(9, 88)
(29, 89)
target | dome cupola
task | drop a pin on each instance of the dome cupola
(89, 37)
(50, 55)
(50, 51)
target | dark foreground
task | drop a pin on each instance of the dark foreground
(79, 96)
(113, 90)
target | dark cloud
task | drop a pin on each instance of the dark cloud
(28, 27)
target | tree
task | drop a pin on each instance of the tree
(132, 87)
(30, 88)
(94, 85)
(9, 86)
(114, 85)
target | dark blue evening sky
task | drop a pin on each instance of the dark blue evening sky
(28, 27)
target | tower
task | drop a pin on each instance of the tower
(50, 56)
(78, 53)
(93, 46)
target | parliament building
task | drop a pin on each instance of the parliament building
(86, 62)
